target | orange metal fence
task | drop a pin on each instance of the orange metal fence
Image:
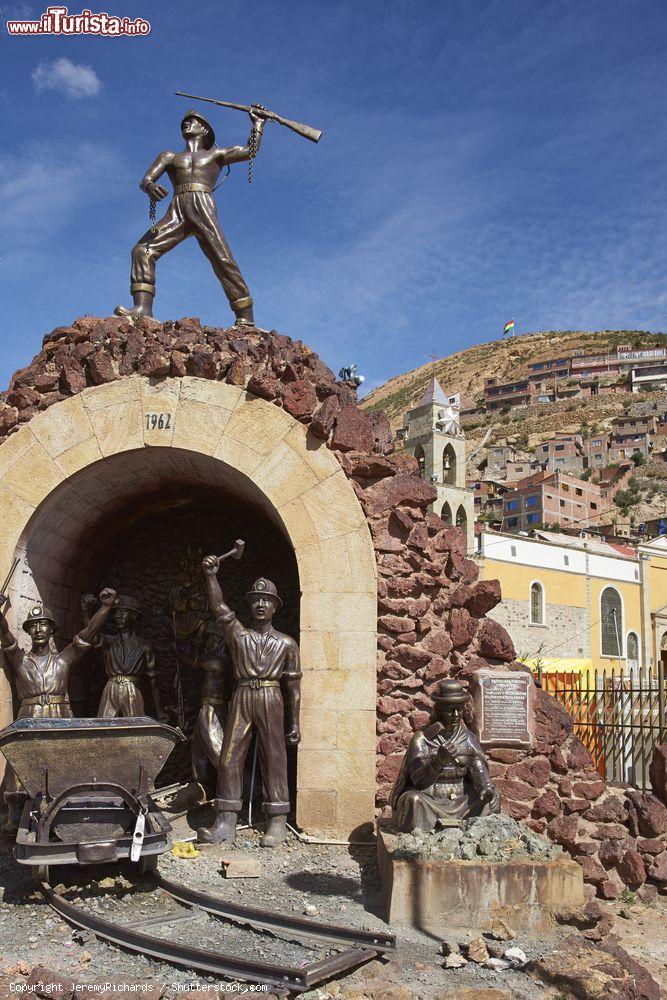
(619, 717)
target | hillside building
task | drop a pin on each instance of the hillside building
(498, 457)
(488, 497)
(579, 603)
(498, 394)
(652, 377)
(552, 498)
(432, 433)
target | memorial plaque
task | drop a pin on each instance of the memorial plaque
(503, 709)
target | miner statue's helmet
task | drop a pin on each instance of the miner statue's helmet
(266, 588)
(39, 613)
(125, 603)
(209, 139)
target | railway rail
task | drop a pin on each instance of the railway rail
(358, 946)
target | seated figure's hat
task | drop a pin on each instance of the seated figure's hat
(38, 613)
(450, 692)
(266, 588)
(209, 139)
(127, 603)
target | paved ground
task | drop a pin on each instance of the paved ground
(334, 883)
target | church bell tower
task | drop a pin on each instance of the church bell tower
(433, 434)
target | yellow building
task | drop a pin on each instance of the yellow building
(572, 604)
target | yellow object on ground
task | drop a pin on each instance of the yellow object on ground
(185, 849)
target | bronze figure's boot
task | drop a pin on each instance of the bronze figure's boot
(242, 309)
(223, 828)
(142, 296)
(276, 831)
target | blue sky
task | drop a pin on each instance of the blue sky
(482, 160)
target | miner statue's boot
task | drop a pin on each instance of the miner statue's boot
(276, 831)
(222, 830)
(242, 309)
(143, 294)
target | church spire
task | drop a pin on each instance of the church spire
(433, 394)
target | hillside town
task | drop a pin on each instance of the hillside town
(554, 517)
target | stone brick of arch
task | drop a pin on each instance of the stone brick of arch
(304, 485)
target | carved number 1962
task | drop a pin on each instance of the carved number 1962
(158, 421)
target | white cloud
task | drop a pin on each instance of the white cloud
(45, 189)
(73, 79)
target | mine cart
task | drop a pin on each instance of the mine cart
(88, 783)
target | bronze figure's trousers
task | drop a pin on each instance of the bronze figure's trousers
(423, 809)
(192, 213)
(121, 696)
(206, 741)
(260, 709)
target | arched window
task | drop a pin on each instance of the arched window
(632, 650)
(421, 458)
(461, 518)
(446, 513)
(611, 623)
(449, 465)
(536, 604)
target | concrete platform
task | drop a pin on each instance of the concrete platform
(436, 896)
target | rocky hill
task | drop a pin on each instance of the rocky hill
(508, 360)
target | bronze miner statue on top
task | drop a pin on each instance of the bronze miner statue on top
(192, 212)
(444, 777)
(262, 657)
(41, 674)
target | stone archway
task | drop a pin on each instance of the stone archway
(220, 432)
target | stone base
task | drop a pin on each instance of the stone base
(436, 896)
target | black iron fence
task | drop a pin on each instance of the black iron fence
(618, 716)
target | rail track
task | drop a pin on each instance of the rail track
(358, 946)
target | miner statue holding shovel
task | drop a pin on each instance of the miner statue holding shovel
(194, 173)
(263, 660)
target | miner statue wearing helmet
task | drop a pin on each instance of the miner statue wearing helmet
(41, 674)
(444, 777)
(193, 172)
(126, 656)
(263, 660)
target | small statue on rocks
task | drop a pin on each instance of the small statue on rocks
(444, 777)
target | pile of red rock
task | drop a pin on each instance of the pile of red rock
(432, 613)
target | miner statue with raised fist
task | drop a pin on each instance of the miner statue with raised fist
(41, 674)
(126, 657)
(263, 660)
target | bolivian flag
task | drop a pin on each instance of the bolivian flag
(508, 327)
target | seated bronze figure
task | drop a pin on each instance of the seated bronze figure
(444, 777)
